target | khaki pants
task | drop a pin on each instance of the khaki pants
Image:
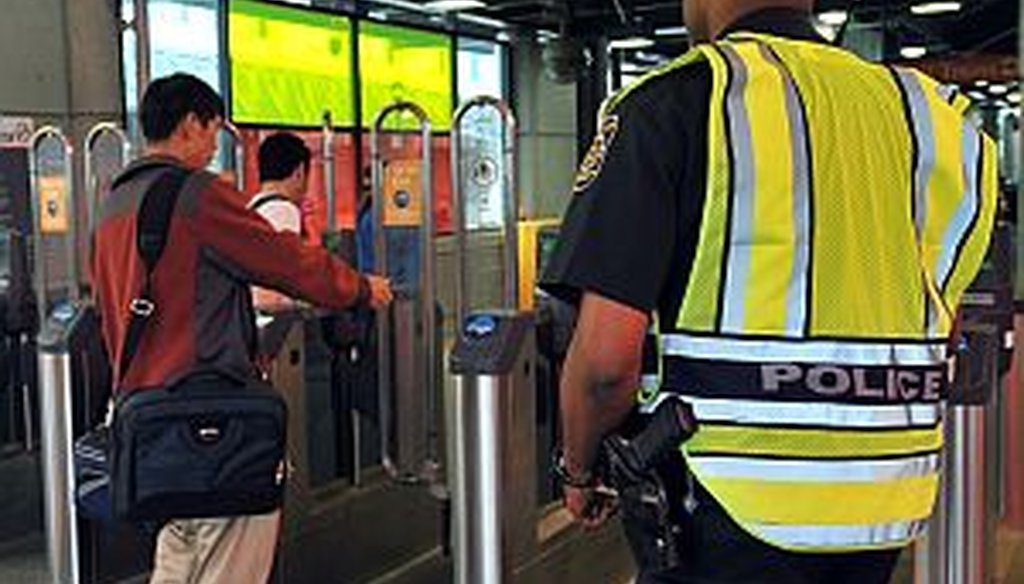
(230, 550)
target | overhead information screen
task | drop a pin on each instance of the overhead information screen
(399, 63)
(289, 65)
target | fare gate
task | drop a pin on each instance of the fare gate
(404, 250)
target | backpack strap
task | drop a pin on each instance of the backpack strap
(267, 198)
(152, 225)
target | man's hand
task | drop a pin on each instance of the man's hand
(380, 291)
(590, 506)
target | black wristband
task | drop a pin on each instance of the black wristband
(587, 481)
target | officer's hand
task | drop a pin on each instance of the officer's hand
(380, 291)
(591, 506)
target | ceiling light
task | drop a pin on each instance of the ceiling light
(631, 43)
(453, 5)
(981, 83)
(929, 8)
(834, 17)
(672, 31)
(913, 52)
(1014, 97)
(977, 95)
(998, 89)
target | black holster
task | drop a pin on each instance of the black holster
(635, 460)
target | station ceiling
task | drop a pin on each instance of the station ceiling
(981, 26)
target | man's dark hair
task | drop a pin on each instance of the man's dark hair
(168, 100)
(281, 154)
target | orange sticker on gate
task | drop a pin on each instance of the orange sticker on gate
(53, 208)
(403, 193)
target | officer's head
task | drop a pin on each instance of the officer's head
(180, 117)
(284, 159)
(706, 19)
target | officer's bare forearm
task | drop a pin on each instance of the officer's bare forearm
(600, 377)
(593, 403)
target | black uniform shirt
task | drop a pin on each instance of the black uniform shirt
(631, 230)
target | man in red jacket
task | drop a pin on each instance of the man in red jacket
(216, 248)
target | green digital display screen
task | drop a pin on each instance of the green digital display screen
(289, 65)
(404, 64)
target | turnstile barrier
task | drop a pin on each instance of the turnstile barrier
(483, 162)
(493, 456)
(53, 218)
(107, 151)
(404, 250)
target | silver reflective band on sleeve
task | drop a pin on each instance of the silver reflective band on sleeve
(832, 536)
(744, 181)
(773, 412)
(961, 221)
(777, 350)
(816, 471)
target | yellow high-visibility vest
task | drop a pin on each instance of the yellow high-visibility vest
(848, 206)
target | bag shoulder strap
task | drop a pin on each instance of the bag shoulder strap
(152, 225)
(266, 199)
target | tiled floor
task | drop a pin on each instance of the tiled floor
(24, 564)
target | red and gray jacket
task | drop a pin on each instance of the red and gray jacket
(216, 248)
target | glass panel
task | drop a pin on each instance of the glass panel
(289, 66)
(481, 66)
(185, 37)
(398, 63)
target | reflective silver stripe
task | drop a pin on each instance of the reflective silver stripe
(839, 536)
(778, 350)
(961, 221)
(796, 293)
(815, 471)
(649, 380)
(743, 178)
(924, 131)
(813, 413)
(649, 407)
(947, 93)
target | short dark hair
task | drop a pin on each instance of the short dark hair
(281, 154)
(168, 100)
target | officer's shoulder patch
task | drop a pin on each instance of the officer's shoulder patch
(593, 162)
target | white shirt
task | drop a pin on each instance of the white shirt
(284, 215)
(278, 210)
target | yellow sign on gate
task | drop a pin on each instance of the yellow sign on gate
(403, 193)
(53, 207)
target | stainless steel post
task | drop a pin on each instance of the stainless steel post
(329, 182)
(238, 151)
(422, 338)
(58, 481)
(966, 484)
(141, 25)
(492, 446)
(510, 201)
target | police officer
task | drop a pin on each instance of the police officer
(803, 223)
